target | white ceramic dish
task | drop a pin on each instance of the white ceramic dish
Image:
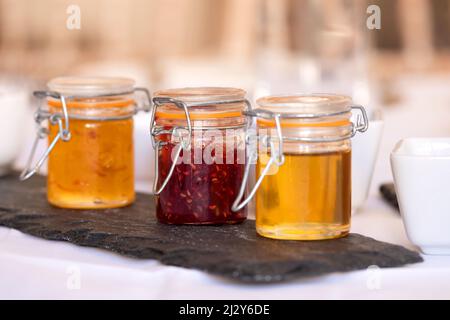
(421, 169)
(365, 148)
(13, 108)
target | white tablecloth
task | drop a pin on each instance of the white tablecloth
(36, 268)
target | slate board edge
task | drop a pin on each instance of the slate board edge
(20, 209)
(82, 241)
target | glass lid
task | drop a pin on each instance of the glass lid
(202, 95)
(202, 102)
(304, 106)
(91, 86)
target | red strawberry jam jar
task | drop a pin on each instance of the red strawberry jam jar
(199, 139)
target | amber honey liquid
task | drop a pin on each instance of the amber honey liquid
(309, 198)
(95, 168)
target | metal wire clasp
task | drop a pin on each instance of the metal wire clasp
(42, 132)
(278, 158)
(185, 139)
(154, 132)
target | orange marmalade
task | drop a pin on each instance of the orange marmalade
(94, 169)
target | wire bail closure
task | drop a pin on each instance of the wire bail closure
(63, 122)
(277, 158)
(185, 142)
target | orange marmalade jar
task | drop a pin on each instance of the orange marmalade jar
(90, 136)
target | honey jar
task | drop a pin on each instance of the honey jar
(198, 136)
(303, 189)
(90, 141)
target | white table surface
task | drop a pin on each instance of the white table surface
(36, 268)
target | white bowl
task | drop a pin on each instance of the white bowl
(13, 108)
(421, 169)
(365, 148)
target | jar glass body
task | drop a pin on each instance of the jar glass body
(308, 197)
(207, 177)
(95, 168)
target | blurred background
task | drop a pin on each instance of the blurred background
(400, 72)
(242, 42)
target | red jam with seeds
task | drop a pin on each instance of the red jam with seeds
(201, 189)
(199, 193)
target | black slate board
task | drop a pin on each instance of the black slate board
(387, 190)
(235, 252)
